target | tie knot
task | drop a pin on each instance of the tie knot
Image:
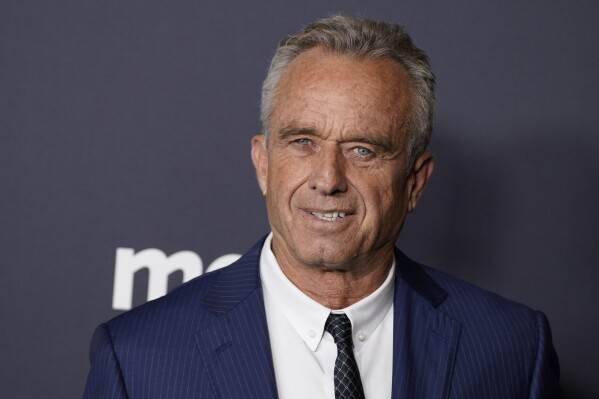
(339, 326)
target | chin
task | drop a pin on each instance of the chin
(327, 258)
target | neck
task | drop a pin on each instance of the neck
(338, 286)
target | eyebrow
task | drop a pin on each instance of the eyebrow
(375, 141)
(293, 132)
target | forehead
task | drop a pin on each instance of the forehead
(342, 92)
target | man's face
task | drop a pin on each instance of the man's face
(333, 170)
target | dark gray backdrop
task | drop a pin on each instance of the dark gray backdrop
(127, 124)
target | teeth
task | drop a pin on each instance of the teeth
(329, 217)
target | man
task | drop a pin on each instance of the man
(325, 306)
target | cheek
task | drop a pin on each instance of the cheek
(384, 195)
(284, 180)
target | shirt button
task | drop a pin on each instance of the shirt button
(361, 336)
(312, 333)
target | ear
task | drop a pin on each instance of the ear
(260, 160)
(421, 171)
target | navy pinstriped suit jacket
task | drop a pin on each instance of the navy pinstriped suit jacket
(209, 339)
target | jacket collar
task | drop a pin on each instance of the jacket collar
(234, 343)
(235, 282)
(425, 338)
(236, 348)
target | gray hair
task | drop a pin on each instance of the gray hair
(369, 39)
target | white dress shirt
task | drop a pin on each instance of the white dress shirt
(304, 354)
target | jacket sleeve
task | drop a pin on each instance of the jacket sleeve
(544, 383)
(105, 379)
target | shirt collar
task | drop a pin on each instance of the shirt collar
(308, 317)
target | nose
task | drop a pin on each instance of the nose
(328, 171)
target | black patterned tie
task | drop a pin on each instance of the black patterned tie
(347, 376)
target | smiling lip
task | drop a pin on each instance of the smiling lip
(329, 216)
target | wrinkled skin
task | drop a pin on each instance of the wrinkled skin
(337, 144)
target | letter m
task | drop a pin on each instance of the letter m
(159, 268)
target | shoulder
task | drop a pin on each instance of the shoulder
(499, 339)
(467, 301)
(484, 316)
(493, 329)
(188, 305)
(456, 296)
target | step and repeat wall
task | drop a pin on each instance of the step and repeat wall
(125, 131)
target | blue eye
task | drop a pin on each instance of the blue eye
(303, 142)
(361, 151)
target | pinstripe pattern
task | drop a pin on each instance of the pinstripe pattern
(209, 339)
(460, 341)
(206, 339)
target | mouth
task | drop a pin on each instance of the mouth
(329, 216)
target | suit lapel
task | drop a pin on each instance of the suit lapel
(425, 338)
(235, 344)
